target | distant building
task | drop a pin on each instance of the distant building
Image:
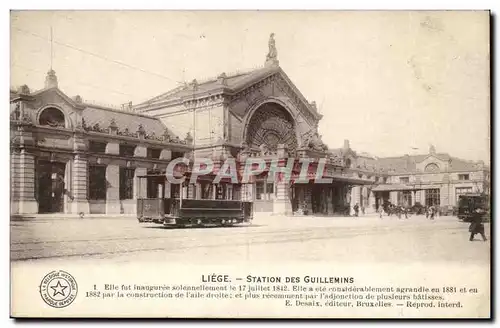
(434, 179)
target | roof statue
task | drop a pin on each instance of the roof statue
(272, 55)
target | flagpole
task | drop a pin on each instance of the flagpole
(51, 48)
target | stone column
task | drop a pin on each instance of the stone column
(113, 189)
(79, 203)
(15, 180)
(413, 198)
(372, 202)
(355, 198)
(307, 198)
(329, 201)
(393, 196)
(23, 175)
(168, 190)
(281, 203)
(159, 193)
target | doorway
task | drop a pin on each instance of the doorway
(51, 186)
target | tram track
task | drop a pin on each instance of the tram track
(106, 247)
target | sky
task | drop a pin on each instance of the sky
(392, 83)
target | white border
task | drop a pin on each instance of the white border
(204, 5)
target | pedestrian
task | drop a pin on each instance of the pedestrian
(477, 225)
(363, 209)
(356, 209)
(432, 212)
(426, 211)
(380, 210)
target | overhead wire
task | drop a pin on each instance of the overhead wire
(95, 54)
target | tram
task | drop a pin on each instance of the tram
(200, 204)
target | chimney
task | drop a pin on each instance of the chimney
(51, 80)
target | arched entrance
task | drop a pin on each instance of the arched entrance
(270, 125)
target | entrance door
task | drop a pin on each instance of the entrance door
(317, 201)
(50, 178)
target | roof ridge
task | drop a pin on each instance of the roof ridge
(230, 74)
(133, 113)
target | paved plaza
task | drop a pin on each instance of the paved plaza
(267, 238)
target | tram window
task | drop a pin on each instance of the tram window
(206, 190)
(153, 187)
(259, 190)
(220, 192)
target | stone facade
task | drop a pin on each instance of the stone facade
(52, 153)
(73, 157)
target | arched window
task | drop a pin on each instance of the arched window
(52, 117)
(348, 162)
(432, 167)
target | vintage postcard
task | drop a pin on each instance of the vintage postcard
(250, 164)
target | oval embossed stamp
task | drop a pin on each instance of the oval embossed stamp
(58, 289)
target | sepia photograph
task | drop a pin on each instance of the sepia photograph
(250, 164)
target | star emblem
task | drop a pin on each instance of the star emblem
(59, 289)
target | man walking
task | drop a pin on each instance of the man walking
(477, 225)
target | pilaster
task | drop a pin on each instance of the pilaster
(79, 202)
(113, 189)
(281, 203)
(24, 201)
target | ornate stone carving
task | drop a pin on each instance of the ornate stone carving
(188, 139)
(97, 128)
(270, 125)
(312, 140)
(112, 125)
(166, 136)
(24, 90)
(221, 79)
(78, 99)
(127, 133)
(16, 113)
(272, 55)
(194, 84)
(153, 136)
(27, 119)
(140, 130)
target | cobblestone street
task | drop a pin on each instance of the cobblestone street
(268, 238)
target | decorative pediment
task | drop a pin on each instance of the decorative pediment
(275, 84)
(56, 96)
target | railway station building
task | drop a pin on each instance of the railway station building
(71, 156)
